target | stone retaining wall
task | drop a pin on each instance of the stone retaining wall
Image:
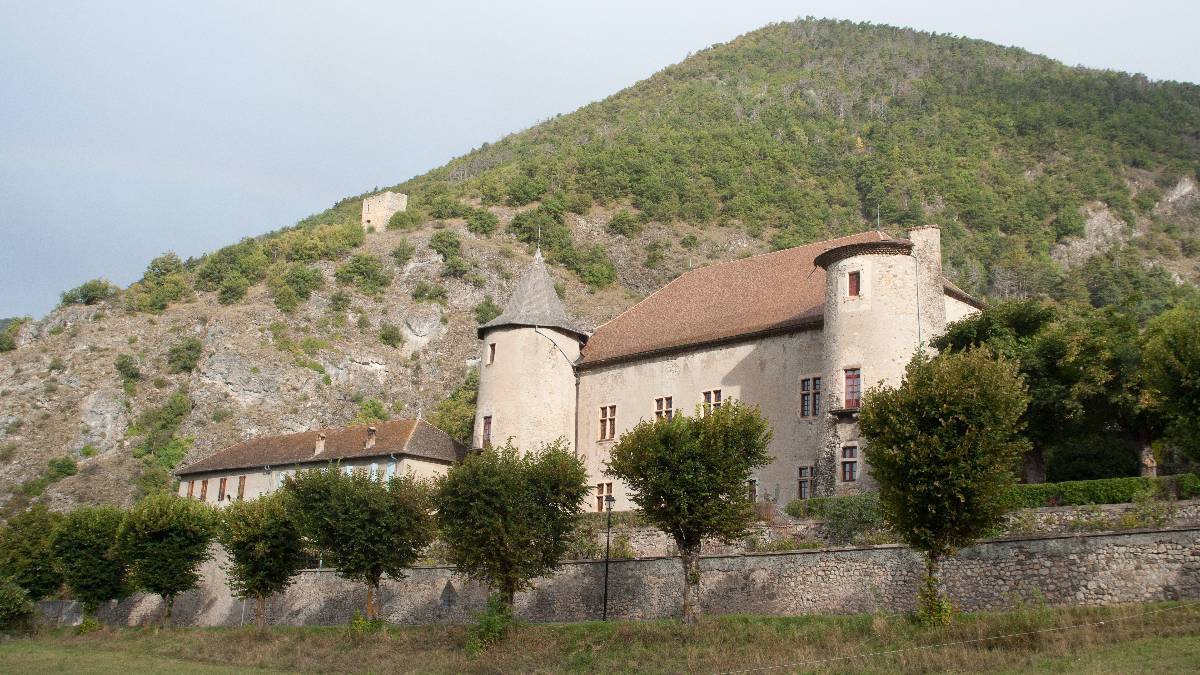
(1091, 569)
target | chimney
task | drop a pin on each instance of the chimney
(927, 251)
(370, 438)
(320, 446)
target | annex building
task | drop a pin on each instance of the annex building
(800, 333)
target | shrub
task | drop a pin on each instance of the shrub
(339, 301)
(625, 224)
(456, 267)
(165, 281)
(293, 284)
(26, 555)
(233, 288)
(83, 551)
(90, 293)
(403, 252)
(232, 268)
(446, 244)
(482, 221)
(159, 425)
(365, 272)
(127, 368)
(846, 519)
(690, 242)
(592, 264)
(486, 310)
(165, 538)
(424, 291)
(183, 356)
(491, 625)
(371, 410)
(390, 335)
(16, 609)
(456, 414)
(403, 220)
(445, 206)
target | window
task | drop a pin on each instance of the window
(491, 353)
(391, 469)
(191, 487)
(712, 400)
(854, 284)
(241, 487)
(375, 475)
(810, 397)
(752, 489)
(487, 431)
(203, 489)
(804, 489)
(602, 490)
(849, 463)
(608, 422)
(853, 387)
(663, 409)
(221, 490)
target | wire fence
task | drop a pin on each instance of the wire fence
(939, 645)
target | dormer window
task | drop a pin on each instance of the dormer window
(854, 284)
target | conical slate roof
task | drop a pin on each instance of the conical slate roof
(534, 303)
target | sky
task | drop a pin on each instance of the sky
(128, 129)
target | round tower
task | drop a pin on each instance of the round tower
(527, 382)
(883, 302)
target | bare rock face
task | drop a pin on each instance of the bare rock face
(422, 325)
(360, 371)
(1178, 196)
(103, 420)
(244, 381)
(1102, 230)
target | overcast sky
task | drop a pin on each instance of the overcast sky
(132, 128)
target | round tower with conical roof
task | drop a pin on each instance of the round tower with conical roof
(527, 383)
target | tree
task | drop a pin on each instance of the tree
(456, 414)
(944, 447)
(365, 528)
(1171, 353)
(265, 548)
(164, 539)
(26, 556)
(507, 518)
(89, 293)
(83, 550)
(688, 475)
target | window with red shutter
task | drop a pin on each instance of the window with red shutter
(853, 388)
(221, 490)
(855, 284)
(203, 489)
(487, 431)
(241, 487)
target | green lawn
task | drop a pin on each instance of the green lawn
(1157, 638)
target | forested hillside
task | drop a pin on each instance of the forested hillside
(1051, 181)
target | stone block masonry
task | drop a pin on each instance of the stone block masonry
(1090, 569)
(379, 208)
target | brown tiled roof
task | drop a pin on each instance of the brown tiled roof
(414, 438)
(762, 294)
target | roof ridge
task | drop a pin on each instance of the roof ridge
(724, 263)
(412, 429)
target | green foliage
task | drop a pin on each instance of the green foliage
(89, 293)
(365, 272)
(26, 556)
(164, 539)
(688, 476)
(127, 368)
(491, 625)
(403, 252)
(233, 267)
(233, 288)
(159, 425)
(405, 220)
(265, 548)
(482, 222)
(545, 226)
(83, 545)
(165, 281)
(339, 301)
(292, 284)
(184, 356)
(371, 410)
(365, 528)
(853, 519)
(446, 244)
(1172, 358)
(445, 206)
(16, 609)
(390, 335)
(456, 414)
(487, 310)
(943, 446)
(424, 291)
(625, 224)
(56, 469)
(507, 519)
(690, 242)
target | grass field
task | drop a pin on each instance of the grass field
(1157, 638)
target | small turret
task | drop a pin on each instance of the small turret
(527, 381)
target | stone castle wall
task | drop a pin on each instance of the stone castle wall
(1096, 569)
(379, 208)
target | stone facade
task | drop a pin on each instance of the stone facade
(537, 383)
(379, 208)
(1096, 569)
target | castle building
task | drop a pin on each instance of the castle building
(800, 333)
(259, 465)
(378, 209)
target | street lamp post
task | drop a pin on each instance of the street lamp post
(608, 504)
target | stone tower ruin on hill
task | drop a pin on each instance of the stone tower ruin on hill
(379, 208)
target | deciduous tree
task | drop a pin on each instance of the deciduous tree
(688, 475)
(1172, 357)
(83, 547)
(507, 518)
(164, 539)
(363, 527)
(26, 556)
(265, 548)
(944, 446)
